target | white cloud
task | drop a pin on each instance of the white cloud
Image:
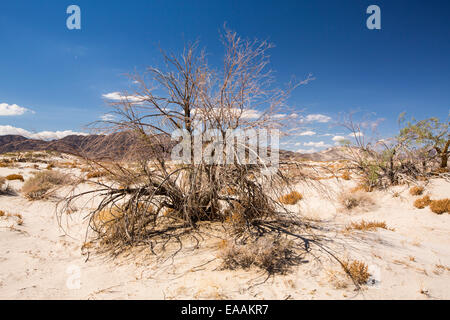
(251, 114)
(317, 118)
(12, 110)
(307, 133)
(43, 135)
(338, 138)
(319, 144)
(307, 150)
(356, 134)
(246, 113)
(107, 117)
(117, 96)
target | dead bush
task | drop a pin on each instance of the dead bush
(367, 226)
(42, 184)
(5, 189)
(362, 187)
(346, 175)
(179, 199)
(351, 200)
(440, 206)
(269, 254)
(357, 270)
(422, 202)
(96, 174)
(416, 191)
(291, 198)
(15, 177)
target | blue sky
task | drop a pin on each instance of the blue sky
(61, 75)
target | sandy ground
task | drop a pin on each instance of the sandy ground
(39, 260)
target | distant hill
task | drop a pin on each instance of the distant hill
(120, 145)
(123, 145)
(330, 154)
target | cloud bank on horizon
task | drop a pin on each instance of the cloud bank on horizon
(43, 135)
(10, 110)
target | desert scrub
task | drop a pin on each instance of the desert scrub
(267, 253)
(4, 188)
(43, 183)
(346, 175)
(367, 226)
(291, 198)
(352, 200)
(15, 177)
(440, 206)
(416, 191)
(362, 187)
(96, 174)
(422, 202)
(357, 270)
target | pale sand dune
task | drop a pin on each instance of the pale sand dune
(35, 257)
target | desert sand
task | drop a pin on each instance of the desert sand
(39, 259)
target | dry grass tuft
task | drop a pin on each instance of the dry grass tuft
(96, 174)
(440, 206)
(269, 254)
(367, 226)
(362, 187)
(357, 270)
(351, 200)
(346, 176)
(4, 188)
(42, 183)
(15, 177)
(291, 198)
(416, 191)
(422, 202)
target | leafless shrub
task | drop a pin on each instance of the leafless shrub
(384, 162)
(171, 201)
